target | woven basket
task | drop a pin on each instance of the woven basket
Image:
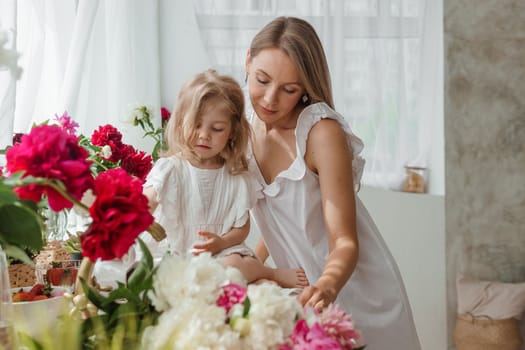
(483, 333)
(21, 275)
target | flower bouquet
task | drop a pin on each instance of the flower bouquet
(195, 302)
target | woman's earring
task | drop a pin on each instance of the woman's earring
(305, 98)
(232, 144)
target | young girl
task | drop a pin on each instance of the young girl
(199, 189)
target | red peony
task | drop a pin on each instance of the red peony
(50, 152)
(165, 115)
(120, 213)
(106, 135)
(17, 138)
(137, 163)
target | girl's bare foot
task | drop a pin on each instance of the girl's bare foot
(290, 278)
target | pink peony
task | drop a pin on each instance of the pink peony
(50, 152)
(315, 338)
(231, 294)
(339, 325)
(67, 123)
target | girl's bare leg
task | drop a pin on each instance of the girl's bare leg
(253, 270)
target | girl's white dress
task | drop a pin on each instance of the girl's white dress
(193, 199)
(289, 216)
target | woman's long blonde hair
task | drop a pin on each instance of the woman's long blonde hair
(298, 39)
(204, 88)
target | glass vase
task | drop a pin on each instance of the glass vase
(56, 225)
(7, 331)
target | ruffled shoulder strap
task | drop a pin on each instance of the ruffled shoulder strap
(310, 116)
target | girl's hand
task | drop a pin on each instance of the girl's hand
(213, 243)
(316, 297)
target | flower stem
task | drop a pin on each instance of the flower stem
(85, 270)
(59, 187)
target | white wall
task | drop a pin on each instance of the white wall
(413, 226)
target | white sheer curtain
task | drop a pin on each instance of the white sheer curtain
(93, 59)
(7, 80)
(385, 61)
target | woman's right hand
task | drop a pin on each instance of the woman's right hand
(316, 297)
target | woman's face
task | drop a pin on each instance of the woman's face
(273, 84)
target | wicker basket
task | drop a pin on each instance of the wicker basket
(483, 333)
(21, 275)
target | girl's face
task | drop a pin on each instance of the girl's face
(212, 133)
(274, 85)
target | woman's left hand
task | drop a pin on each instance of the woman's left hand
(213, 244)
(316, 297)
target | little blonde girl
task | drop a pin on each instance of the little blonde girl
(199, 189)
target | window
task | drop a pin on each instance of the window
(378, 54)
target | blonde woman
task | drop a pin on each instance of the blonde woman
(199, 189)
(307, 161)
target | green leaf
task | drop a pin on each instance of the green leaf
(122, 293)
(17, 253)
(142, 276)
(155, 152)
(21, 225)
(7, 196)
(246, 309)
(96, 298)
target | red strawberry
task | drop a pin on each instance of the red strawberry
(38, 289)
(22, 296)
(62, 275)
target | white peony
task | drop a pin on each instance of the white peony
(192, 326)
(136, 111)
(187, 279)
(186, 291)
(106, 151)
(272, 316)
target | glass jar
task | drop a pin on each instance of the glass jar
(415, 179)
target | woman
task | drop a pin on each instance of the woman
(307, 162)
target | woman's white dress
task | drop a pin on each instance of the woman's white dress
(289, 216)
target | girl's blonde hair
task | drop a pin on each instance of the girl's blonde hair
(204, 88)
(298, 39)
